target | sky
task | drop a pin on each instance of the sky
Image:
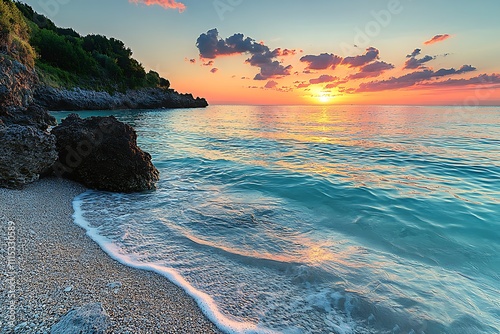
(417, 52)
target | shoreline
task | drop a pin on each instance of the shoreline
(53, 254)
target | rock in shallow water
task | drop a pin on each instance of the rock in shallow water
(90, 318)
(25, 153)
(102, 153)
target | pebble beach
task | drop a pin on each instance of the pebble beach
(57, 268)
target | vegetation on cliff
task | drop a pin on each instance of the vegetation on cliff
(65, 59)
(15, 34)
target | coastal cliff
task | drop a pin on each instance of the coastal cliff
(82, 99)
(43, 67)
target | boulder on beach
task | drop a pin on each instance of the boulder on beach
(25, 153)
(90, 318)
(102, 153)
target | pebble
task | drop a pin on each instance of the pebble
(21, 326)
(114, 285)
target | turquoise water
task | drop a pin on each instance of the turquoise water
(343, 219)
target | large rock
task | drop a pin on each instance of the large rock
(102, 153)
(34, 115)
(88, 319)
(25, 153)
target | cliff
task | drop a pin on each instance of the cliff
(41, 68)
(83, 99)
(94, 72)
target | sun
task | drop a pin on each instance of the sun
(324, 98)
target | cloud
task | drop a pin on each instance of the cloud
(445, 72)
(358, 61)
(214, 70)
(483, 79)
(414, 54)
(323, 79)
(211, 46)
(301, 84)
(414, 63)
(347, 90)
(272, 69)
(326, 61)
(376, 67)
(271, 84)
(285, 52)
(411, 79)
(168, 4)
(269, 68)
(335, 84)
(209, 63)
(321, 62)
(437, 39)
(372, 70)
(192, 61)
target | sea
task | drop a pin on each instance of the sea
(316, 219)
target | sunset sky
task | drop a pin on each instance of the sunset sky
(303, 52)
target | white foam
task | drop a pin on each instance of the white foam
(204, 301)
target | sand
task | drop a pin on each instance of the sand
(57, 267)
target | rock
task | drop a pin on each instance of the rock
(34, 115)
(20, 326)
(114, 285)
(89, 319)
(146, 98)
(102, 153)
(16, 84)
(68, 289)
(25, 153)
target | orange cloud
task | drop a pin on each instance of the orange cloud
(168, 4)
(437, 39)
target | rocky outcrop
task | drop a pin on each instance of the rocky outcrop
(90, 318)
(102, 153)
(34, 115)
(25, 153)
(16, 85)
(26, 149)
(146, 98)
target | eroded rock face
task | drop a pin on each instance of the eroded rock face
(26, 149)
(16, 84)
(34, 115)
(25, 153)
(102, 153)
